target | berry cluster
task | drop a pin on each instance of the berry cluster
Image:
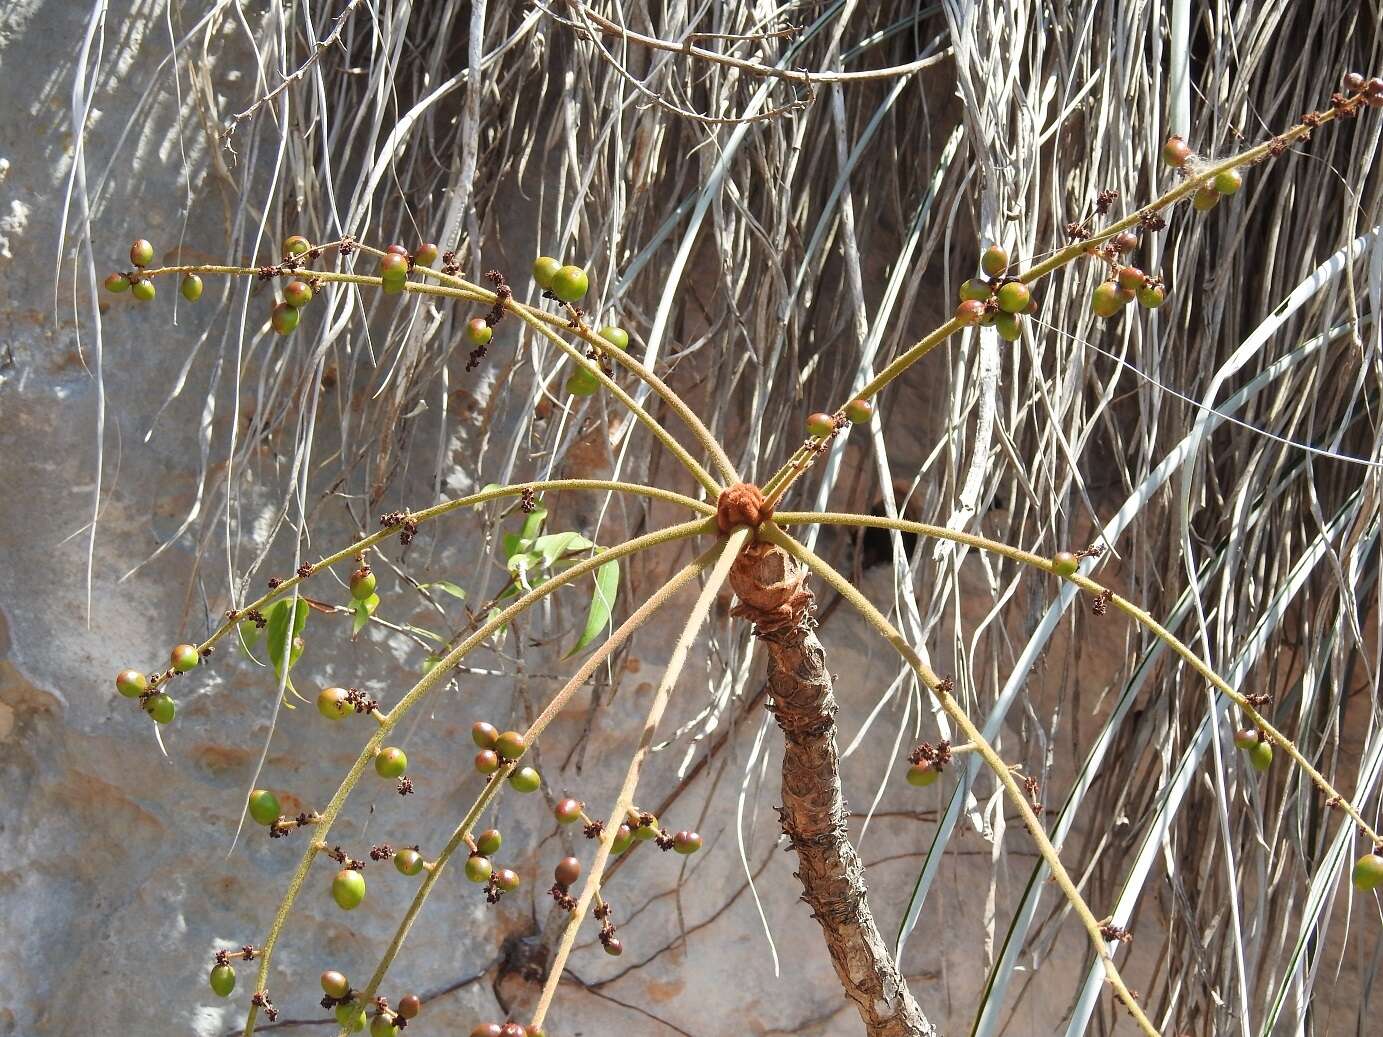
(497, 750)
(997, 298)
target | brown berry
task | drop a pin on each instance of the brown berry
(1176, 151)
(568, 870)
(409, 1006)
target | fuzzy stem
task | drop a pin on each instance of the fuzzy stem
(876, 619)
(728, 551)
(1123, 605)
(420, 690)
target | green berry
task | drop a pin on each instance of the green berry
(351, 1016)
(284, 318)
(296, 245)
(1064, 563)
(567, 872)
(1228, 181)
(1013, 296)
(264, 807)
(297, 293)
(362, 583)
(161, 707)
(923, 774)
(334, 984)
(567, 811)
(970, 312)
(117, 283)
(624, 838)
(582, 382)
(544, 270)
(425, 255)
(525, 780)
(1176, 151)
(1368, 872)
(131, 683)
(143, 290)
(222, 980)
(617, 337)
(820, 425)
(484, 735)
(507, 879)
(1009, 327)
(511, 745)
(1261, 756)
(393, 272)
(487, 761)
(1130, 278)
(686, 843)
(408, 862)
(975, 290)
(391, 763)
(348, 889)
(184, 657)
(409, 1006)
(994, 261)
(488, 842)
(478, 331)
(643, 833)
(1246, 738)
(141, 253)
(382, 1026)
(479, 869)
(859, 411)
(1205, 199)
(1106, 301)
(334, 703)
(191, 287)
(569, 283)
(1151, 296)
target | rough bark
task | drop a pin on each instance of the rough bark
(772, 593)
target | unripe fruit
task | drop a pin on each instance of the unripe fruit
(567, 872)
(391, 763)
(643, 833)
(567, 811)
(1106, 301)
(487, 1030)
(484, 735)
(922, 774)
(511, 745)
(624, 838)
(1176, 151)
(296, 245)
(617, 337)
(409, 1006)
(141, 253)
(362, 583)
(264, 807)
(569, 283)
(1205, 199)
(820, 425)
(348, 890)
(974, 290)
(1013, 297)
(191, 287)
(1261, 756)
(544, 269)
(426, 254)
(1152, 296)
(613, 947)
(507, 879)
(479, 869)
(1009, 327)
(334, 984)
(859, 411)
(408, 862)
(488, 842)
(297, 293)
(478, 331)
(131, 683)
(397, 250)
(334, 703)
(393, 271)
(1368, 872)
(1228, 181)
(1124, 242)
(1246, 738)
(1352, 83)
(351, 1016)
(487, 761)
(117, 283)
(382, 1026)
(970, 312)
(1064, 563)
(582, 382)
(284, 318)
(525, 780)
(1130, 278)
(222, 980)
(686, 842)
(994, 261)
(161, 707)
(143, 290)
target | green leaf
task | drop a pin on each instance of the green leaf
(279, 615)
(424, 632)
(602, 604)
(363, 611)
(247, 632)
(554, 545)
(447, 586)
(533, 523)
(486, 489)
(513, 544)
(523, 561)
(430, 661)
(498, 635)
